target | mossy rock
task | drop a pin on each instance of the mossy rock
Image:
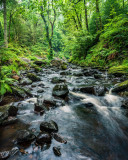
(121, 87)
(18, 92)
(33, 77)
(118, 71)
(37, 69)
(64, 66)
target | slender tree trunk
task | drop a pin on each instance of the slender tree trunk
(98, 19)
(86, 15)
(75, 22)
(5, 25)
(123, 3)
(80, 25)
(10, 21)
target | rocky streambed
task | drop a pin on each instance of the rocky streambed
(72, 113)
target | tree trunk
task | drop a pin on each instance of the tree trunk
(98, 19)
(5, 25)
(10, 21)
(86, 15)
(123, 3)
(79, 22)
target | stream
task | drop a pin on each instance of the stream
(95, 127)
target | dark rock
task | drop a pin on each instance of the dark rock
(49, 102)
(60, 91)
(88, 105)
(56, 151)
(125, 104)
(96, 90)
(25, 81)
(97, 76)
(41, 84)
(90, 72)
(65, 73)
(123, 86)
(58, 138)
(12, 111)
(78, 74)
(57, 80)
(34, 85)
(10, 120)
(49, 127)
(43, 138)
(99, 90)
(33, 77)
(40, 90)
(4, 155)
(19, 92)
(39, 107)
(3, 116)
(14, 151)
(39, 63)
(25, 136)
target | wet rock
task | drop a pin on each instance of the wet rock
(123, 86)
(33, 77)
(39, 63)
(25, 81)
(41, 84)
(58, 138)
(125, 104)
(56, 62)
(87, 89)
(40, 90)
(97, 76)
(49, 127)
(34, 85)
(64, 66)
(39, 107)
(49, 102)
(57, 80)
(19, 92)
(10, 120)
(56, 151)
(3, 116)
(99, 90)
(25, 136)
(4, 155)
(12, 111)
(14, 151)
(60, 91)
(88, 105)
(78, 74)
(43, 138)
(65, 73)
(90, 72)
(96, 90)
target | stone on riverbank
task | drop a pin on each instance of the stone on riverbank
(49, 127)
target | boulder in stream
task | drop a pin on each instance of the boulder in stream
(25, 136)
(58, 138)
(57, 80)
(56, 151)
(43, 137)
(49, 127)
(12, 111)
(33, 77)
(25, 81)
(123, 86)
(96, 90)
(60, 90)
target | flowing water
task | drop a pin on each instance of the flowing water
(97, 133)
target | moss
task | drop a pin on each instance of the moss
(64, 67)
(121, 87)
(120, 70)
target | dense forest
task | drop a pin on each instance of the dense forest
(71, 49)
